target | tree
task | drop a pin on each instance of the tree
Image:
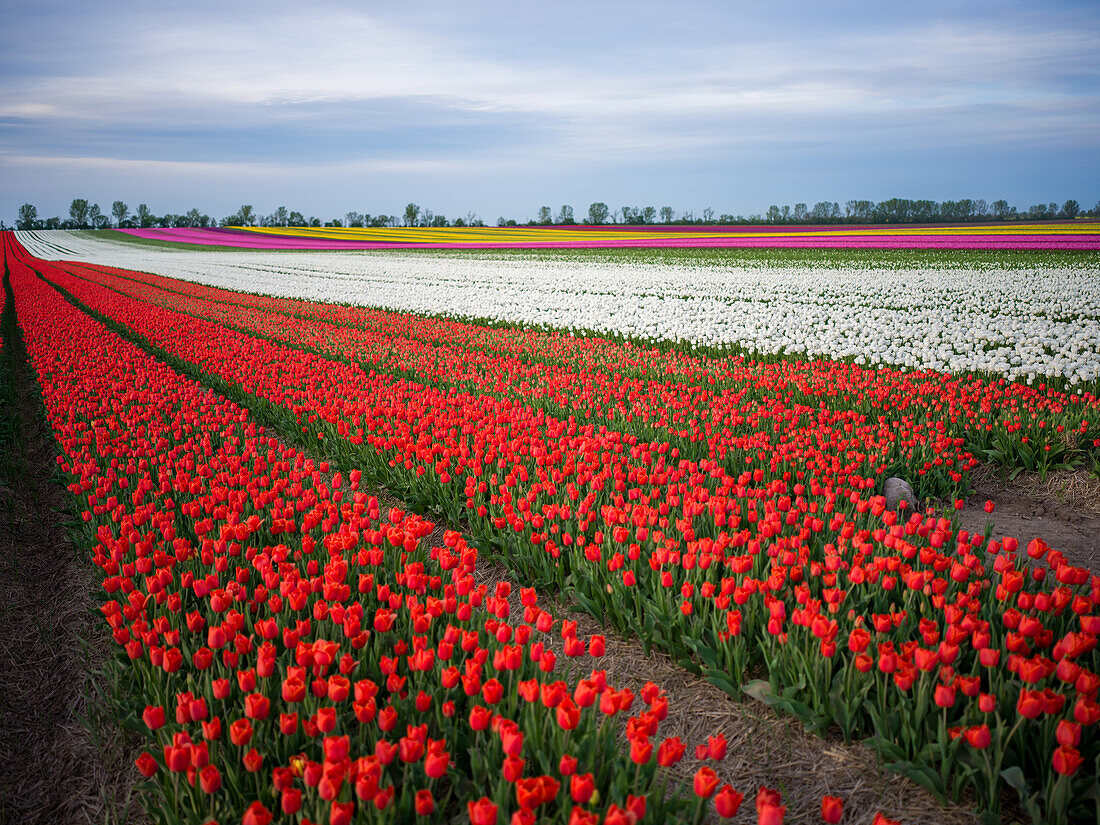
(144, 216)
(1000, 209)
(598, 212)
(412, 211)
(296, 219)
(27, 217)
(859, 210)
(248, 217)
(708, 215)
(774, 215)
(545, 215)
(667, 214)
(1070, 209)
(121, 212)
(96, 218)
(78, 212)
(800, 212)
(353, 219)
(649, 215)
(565, 214)
(279, 216)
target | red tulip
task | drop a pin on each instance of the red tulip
(482, 812)
(716, 746)
(705, 783)
(210, 780)
(769, 810)
(512, 769)
(291, 801)
(253, 760)
(582, 787)
(978, 737)
(1066, 760)
(153, 715)
(832, 809)
(341, 813)
(1068, 733)
(425, 803)
(257, 706)
(147, 765)
(240, 732)
(727, 802)
(670, 752)
(257, 814)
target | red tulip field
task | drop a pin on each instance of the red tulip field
(289, 649)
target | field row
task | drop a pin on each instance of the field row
(752, 541)
(290, 648)
(1061, 236)
(707, 408)
(1025, 321)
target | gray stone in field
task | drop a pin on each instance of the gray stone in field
(897, 490)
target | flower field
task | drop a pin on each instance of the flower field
(293, 649)
(1060, 236)
(1035, 318)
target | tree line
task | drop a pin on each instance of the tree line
(86, 215)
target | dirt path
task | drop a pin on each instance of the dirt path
(1063, 510)
(58, 768)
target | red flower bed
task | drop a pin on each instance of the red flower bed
(290, 649)
(735, 526)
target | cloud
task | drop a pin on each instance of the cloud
(494, 87)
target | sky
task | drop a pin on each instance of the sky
(498, 108)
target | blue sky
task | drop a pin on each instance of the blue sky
(499, 108)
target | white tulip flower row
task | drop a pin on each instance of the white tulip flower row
(1021, 322)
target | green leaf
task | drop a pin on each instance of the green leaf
(1015, 777)
(799, 710)
(705, 652)
(721, 681)
(887, 749)
(922, 775)
(760, 690)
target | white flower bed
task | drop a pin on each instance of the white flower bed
(1019, 322)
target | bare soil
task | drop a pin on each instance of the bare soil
(1063, 510)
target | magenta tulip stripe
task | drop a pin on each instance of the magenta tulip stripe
(1076, 235)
